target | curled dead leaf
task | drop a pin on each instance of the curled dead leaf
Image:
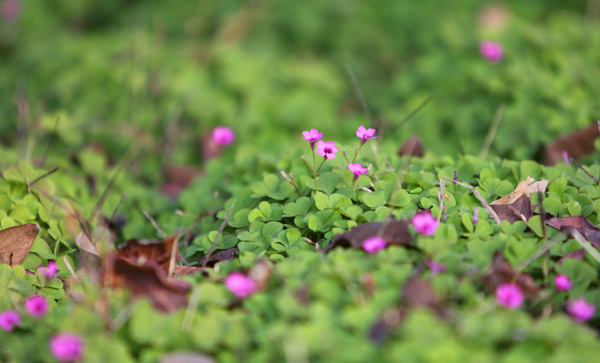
(145, 280)
(579, 223)
(159, 251)
(526, 187)
(501, 271)
(577, 145)
(413, 146)
(16, 242)
(393, 231)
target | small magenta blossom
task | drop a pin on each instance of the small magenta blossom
(223, 135)
(357, 169)
(66, 347)
(476, 216)
(50, 271)
(11, 9)
(509, 295)
(492, 51)
(436, 268)
(37, 306)
(425, 223)
(365, 134)
(374, 244)
(581, 310)
(240, 284)
(326, 149)
(9, 319)
(562, 283)
(566, 158)
(312, 136)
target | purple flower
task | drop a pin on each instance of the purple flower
(9, 319)
(37, 306)
(223, 135)
(435, 267)
(326, 149)
(50, 271)
(365, 134)
(67, 347)
(581, 310)
(509, 295)
(562, 283)
(476, 216)
(374, 244)
(425, 223)
(492, 51)
(312, 136)
(240, 284)
(357, 169)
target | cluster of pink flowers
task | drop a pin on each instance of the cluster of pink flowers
(328, 149)
(49, 271)
(65, 347)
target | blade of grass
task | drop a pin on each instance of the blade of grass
(492, 132)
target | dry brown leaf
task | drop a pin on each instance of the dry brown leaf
(526, 187)
(15, 243)
(579, 223)
(577, 145)
(413, 146)
(519, 210)
(501, 271)
(393, 231)
(146, 280)
(139, 251)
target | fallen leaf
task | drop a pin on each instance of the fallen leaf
(159, 251)
(501, 271)
(520, 210)
(526, 187)
(577, 145)
(220, 256)
(579, 223)
(177, 179)
(577, 255)
(413, 146)
(418, 293)
(393, 231)
(15, 243)
(85, 244)
(146, 280)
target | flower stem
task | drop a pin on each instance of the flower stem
(356, 152)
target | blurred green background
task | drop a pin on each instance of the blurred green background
(161, 74)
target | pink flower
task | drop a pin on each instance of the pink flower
(67, 347)
(365, 134)
(509, 295)
(565, 156)
(374, 244)
(11, 9)
(425, 223)
(240, 284)
(326, 149)
(37, 306)
(223, 135)
(435, 267)
(581, 310)
(562, 283)
(492, 51)
(50, 271)
(357, 169)
(312, 136)
(9, 319)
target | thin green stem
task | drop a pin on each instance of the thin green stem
(356, 152)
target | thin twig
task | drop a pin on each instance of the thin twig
(192, 308)
(585, 244)
(156, 226)
(584, 170)
(43, 176)
(485, 204)
(173, 254)
(217, 236)
(412, 114)
(492, 132)
(70, 268)
(104, 194)
(51, 141)
(545, 248)
(358, 92)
